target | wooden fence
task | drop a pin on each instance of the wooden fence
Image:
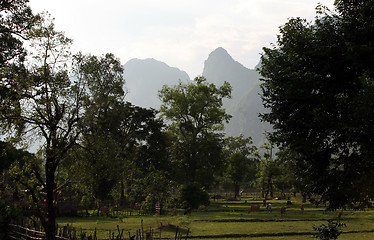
(151, 234)
(25, 232)
(22, 233)
(31, 229)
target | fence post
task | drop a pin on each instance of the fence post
(142, 237)
(188, 231)
(158, 208)
(176, 233)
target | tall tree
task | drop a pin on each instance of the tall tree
(119, 139)
(269, 168)
(9, 157)
(319, 84)
(241, 161)
(104, 101)
(49, 108)
(16, 20)
(196, 118)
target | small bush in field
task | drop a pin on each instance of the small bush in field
(8, 211)
(193, 196)
(329, 231)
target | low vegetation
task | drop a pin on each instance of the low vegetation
(97, 148)
(225, 219)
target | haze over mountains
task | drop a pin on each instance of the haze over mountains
(245, 104)
(144, 78)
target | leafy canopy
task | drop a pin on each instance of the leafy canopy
(318, 83)
(196, 118)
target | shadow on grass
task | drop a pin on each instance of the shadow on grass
(269, 234)
(259, 220)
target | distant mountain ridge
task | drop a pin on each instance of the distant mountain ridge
(220, 67)
(245, 104)
(144, 78)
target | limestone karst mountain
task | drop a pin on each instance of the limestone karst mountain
(145, 77)
(245, 104)
(220, 67)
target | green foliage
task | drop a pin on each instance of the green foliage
(85, 202)
(195, 106)
(148, 205)
(44, 104)
(269, 171)
(193, 196)
(271, 174)
(329, 231)
(173, 201)
(101, 168)
(240, 154)
(241, 161)
(123, 145)
(318, 85)
(229, 220)
(103, 105)
(26, 172)
(9, 154)
(8, 212)
(104, 80)
(238, 167)
(16, 20)
(151, 187)
(196, 119)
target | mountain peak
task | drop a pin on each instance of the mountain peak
(219, 53)
(220, 49)
(245, 104)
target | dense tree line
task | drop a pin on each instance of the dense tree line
(92, 140)
(318, 85)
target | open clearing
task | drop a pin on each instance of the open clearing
(231, 220)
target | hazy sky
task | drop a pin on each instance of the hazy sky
(180, 33)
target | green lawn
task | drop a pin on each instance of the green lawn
(230, 220)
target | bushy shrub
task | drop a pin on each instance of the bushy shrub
(148, 205)
(194, 196)
(7, 213)
(329, 231)
(173, 202)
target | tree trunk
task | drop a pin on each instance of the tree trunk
(122, 198)
(236, 191)
(270, 187)
(98, 208)
(50, 228)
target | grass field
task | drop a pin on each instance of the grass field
(230, 220)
